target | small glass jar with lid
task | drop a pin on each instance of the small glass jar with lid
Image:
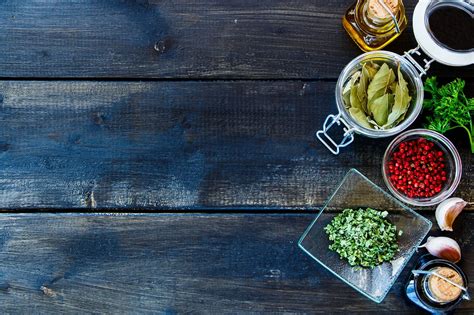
(373, 24)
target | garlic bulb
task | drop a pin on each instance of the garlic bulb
(447, 211)
(443, 247)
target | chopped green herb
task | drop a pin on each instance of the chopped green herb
(363, 237)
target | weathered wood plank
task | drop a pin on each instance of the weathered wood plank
(168, 145)
(193, 39)
(214, 264)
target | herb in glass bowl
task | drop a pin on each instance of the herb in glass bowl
(363, 237)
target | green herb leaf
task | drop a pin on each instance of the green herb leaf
(360, 117)
(346, 92)
(355, 103)
(362, 88)
(450, 108)
(346, 98)
(379, 109)
(366, 90)
(372, 69)
(379, 84)
(392, 87)
(402, 100)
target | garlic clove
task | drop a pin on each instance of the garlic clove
(443, 247)
(447, 211)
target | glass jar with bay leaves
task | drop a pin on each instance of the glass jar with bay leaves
(396, 66)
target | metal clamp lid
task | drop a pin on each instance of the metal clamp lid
(328, 141)
(421, 68)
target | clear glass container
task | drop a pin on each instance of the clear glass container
(415, 88)
(368, 29)
(351, 126)
(356, 191)
(453, 166)
(418, 291)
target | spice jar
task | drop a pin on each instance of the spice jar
(413, 65)
(437, 285)
(373, 24)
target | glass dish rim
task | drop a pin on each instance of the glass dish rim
(448, 145)
(402, 205)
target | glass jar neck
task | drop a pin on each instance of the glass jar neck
(373, 16)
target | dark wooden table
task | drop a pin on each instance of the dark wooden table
(159, 156)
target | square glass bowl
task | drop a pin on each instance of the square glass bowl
(357, 191)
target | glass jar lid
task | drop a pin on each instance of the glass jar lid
(456, 17)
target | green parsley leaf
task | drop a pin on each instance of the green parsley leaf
(449, 108)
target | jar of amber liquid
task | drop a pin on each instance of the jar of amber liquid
(373, 24)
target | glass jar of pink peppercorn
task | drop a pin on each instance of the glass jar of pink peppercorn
(421, 167)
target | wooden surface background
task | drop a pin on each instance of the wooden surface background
(215, 145)
(204, 109)
(265, 39)
(180, 263)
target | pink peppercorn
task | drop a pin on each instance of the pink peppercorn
(417, 168)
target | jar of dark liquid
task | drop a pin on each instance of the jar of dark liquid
(433, 293)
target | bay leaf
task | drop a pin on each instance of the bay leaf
(402, 100)
(362, 88)
(355, 77)
(379, 84)
(346, 98)
(379, 109)
(400, 119)
(372, 69)
(395, 123)
(391, 101)
(373, 123)
(360, 117)
(346, 91)
(392, 87)
(354, 99)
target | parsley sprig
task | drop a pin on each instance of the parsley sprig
(450, 108)
(363, 237)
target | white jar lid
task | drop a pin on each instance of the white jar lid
(425, 39)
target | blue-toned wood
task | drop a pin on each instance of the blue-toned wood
(177, 264)
(186, 39)
(175, 145)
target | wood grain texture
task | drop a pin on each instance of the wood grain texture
(176, 145)
(272, 39)
(177, 264)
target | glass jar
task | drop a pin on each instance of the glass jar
(373, 24)
(351, 126)
(453, 166)
(418, 291)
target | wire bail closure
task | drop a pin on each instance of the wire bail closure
(328, 141)
(408, 55)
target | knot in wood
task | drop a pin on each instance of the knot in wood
(160, 46)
